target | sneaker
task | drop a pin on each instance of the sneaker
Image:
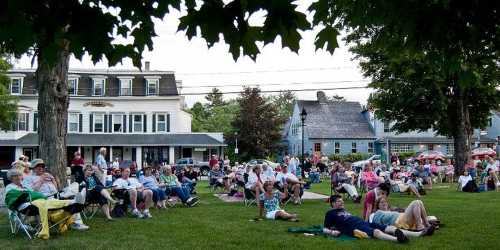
(401, 236)
(137, 214)
(193, 201)
(79, 227)
(147, 215)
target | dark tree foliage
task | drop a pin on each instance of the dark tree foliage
(434, 63)
(214, 98)
(258, 125)
(53, 30)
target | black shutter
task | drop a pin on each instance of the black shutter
(124, 123)
(110, 126)
(154, 122)
(105, 123)
(35, 122)
(27, 121)
(80, 123)
(130, 117)
(145, 123)
(91, 127)
(168, 122)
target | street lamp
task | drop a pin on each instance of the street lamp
(236, 146)
(303, 116)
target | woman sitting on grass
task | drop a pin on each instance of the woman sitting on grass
(270, 202)
(414, 216)
(96, 193)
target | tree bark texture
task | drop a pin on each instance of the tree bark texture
(53, 101)
(462, 133)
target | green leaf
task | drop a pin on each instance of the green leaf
(327, 36)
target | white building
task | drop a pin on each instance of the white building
(136, 115)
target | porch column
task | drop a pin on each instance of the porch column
(110, 154)
(138, 157)
(18, 153)
(171, 155)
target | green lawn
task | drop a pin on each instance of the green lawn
(472, 221)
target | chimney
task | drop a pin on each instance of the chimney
(321, 97)
(146, 65)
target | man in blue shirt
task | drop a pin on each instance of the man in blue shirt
(339, 221)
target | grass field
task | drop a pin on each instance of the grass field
(472, 221)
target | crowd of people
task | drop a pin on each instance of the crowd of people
(116, 188)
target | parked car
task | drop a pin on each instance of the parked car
(254, 162)
(201, 167)
(360, 164)
(431, 155)
(483, 152)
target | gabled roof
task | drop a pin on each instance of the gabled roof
(326, 120)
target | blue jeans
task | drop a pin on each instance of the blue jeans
(314, 177)
(158, 194)
(181, 192)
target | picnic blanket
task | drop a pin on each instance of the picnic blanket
(227, 198)
(318, 230)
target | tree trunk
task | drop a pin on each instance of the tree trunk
(462, 133)
(53, 104)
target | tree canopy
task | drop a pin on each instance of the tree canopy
(433, 63)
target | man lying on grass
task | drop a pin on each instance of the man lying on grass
(339, 221)
(270, 202)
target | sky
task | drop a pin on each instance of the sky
(275, 68)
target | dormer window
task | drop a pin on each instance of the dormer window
(73, 86)
(16, 85)
(98, 86)
(125, 86)
(152, 86)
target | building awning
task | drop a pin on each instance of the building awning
(433, 140)
(188, 139)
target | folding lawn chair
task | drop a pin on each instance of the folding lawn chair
(22, 213)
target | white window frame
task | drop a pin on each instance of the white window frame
(123, 80)
(371, 146)
(77, 122)
(134, 122)
(335, 148)
(113, 122)
(18, 123)
(164, 122)
(21, 82)
(73, 78)
(150, 81)
(354, 147)
(95, 115)
(94, 81)
(387, 127)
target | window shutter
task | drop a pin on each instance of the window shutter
(130, 117)
(168, 122)
(27, 122)
(105, 123)
(124, 123)
(154, 122)
(80, 123)
(110, 123)
(91, 126)
(145, 123)
(35, 122)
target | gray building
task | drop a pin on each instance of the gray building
(331, 127)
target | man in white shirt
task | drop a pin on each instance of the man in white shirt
(293, 183)
(135, 192)
(268, 173)
(466, 183)
(255, 182)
